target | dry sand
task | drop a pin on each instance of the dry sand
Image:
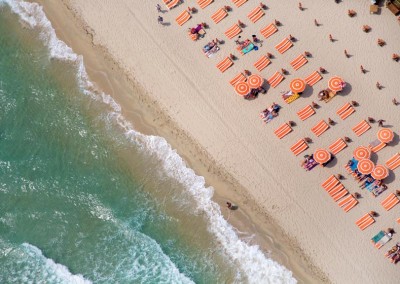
(198, 98)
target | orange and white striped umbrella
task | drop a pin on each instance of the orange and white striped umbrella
(362, 152)
(255, 81)
(335, 84)
(297, 85)
(385, 135)
(380, 172)
(321, 156)
(365, 166)
(242, 88)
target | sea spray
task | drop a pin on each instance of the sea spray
(251, 262)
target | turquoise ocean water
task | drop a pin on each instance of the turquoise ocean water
(86, 198)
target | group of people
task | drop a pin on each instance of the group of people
(270, 112)
(394, 253)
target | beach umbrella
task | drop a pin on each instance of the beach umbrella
(385, 135)
(380, 172)
(297, 85)
(255, 81)
(361, 152)
(321, 156)
(365, 166)
(335, 84)
(242, 88)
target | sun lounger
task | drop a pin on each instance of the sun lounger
(299, 147)
(390, 201)
(262, 63)
(393, 162)
(361, 128)
(336, 189)
(166, 1)
(183, 17)
(320, 128)
(283, 130)
(348, 202)
(238, 78)
(284, 45)
(269, 30)
(365, 221)
(345, 111)
(330, 180)
(204, 3)
(377, 145)
(313, 78)
(275, 79)
(256, 14)
(337, 146)
(306, 112)
(298, 62)
(340, 194)
(224, 64)
(377, 191)
(239, 3)
(233, 31)
(219, 15)
(289, 97)
(172, 4)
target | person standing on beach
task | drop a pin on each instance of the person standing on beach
(158, 8)
(160, 20)
(380, 122)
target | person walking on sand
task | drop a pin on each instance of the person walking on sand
(158, 8)
(362, 69)
(395, 102)
(378, 86)
(160, 20)
(300, 6)
(316, 23)
(380, 122)
(330, 37)
(346, 54)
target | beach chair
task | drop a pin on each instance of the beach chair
(238, 78)
(348, 202)
(224, 64)
(393, 162)
(343, 192)
(305, 112)
(291, 98)
(262, 63)
(390, 201)
(313, 78)
(365, 221)
(256, 14)
(330, 183)
(284, 45)
(268, 30)
(172, 4)
(320, 128)
(233, 31)
(183, 18)
(361, 128)
(283, 130)
(275, 79)
(345, 111)
(332, 190)
(239, 3)
(299, 147)
(337, 146)
(380, 239)
(219, 15)
(376, 145)
(298, 62)
(204, 3)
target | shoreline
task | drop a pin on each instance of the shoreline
(154, 121)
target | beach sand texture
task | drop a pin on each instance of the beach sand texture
(200, 99)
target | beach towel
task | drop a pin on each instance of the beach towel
(233, 31)
(348, 202)
(219, 15)
(238, 78)
(262, 63)
(361, 128)
(284, 45)
(247, 49)
(340, 194)
(239, 3)
(390, 201)
(275, 79)
(172, 4)
(256, 14)
(393, 162)
(283, 130)
(383, 241)
(298, 62)
(331, 179)
(313, 78)
(289, 97)
(306, 112)
(365, 221)
(224, 64)
(299, 147)
(345, 111)
(204, 3)
(378, 190)
(183, 17)
(212, 51)
(320, 128)
(268, 30)
(379, 146)
(337, 146)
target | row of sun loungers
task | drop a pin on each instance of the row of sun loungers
(345, 111)
(339, 193)
(365, 221)
(256, 14)
(219, 15)
(361, 128)
(390, 201)
(306, 112)
(298, 62)
(320, 128)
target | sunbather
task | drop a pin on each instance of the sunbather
(351, 13)
(395, 57)
(269, 113)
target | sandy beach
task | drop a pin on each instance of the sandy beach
(220, 134)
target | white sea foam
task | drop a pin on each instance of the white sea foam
(249, 259)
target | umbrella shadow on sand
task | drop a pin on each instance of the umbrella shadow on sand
(307, 92)
(347, 90)
(391, 177)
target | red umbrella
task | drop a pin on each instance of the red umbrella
(242, 88)
(255, 81)
(385, 135)
(335, 84)
(361, 152)
(321, 156)
(365, 166)
(297, 85)
(380, 172)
